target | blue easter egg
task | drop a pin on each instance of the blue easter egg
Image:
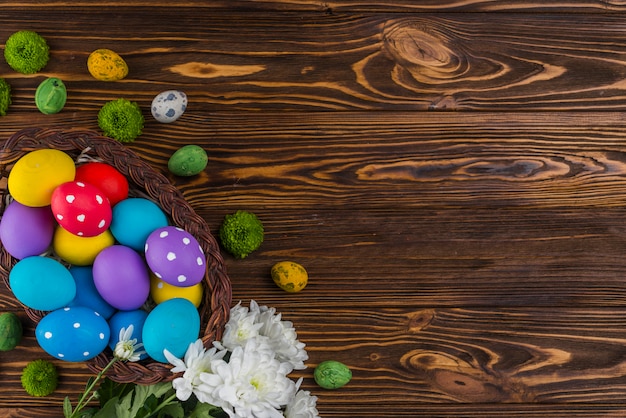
(86, 293)
(134, 219)
(25, 230)
(171, 325)
(42, 283)
(73, 333)
(124, 319)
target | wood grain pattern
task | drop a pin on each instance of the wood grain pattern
(451, 173)
(309, 61)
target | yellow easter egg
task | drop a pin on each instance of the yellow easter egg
(106, 65)
(80, 250)
(162, 291)
(289, 276)
(34, 177)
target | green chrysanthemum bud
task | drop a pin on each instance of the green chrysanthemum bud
(26, 52)
(121, 120)
(40, 378)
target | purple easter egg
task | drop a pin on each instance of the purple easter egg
(175, 256)
(121, 277)
(26, 230)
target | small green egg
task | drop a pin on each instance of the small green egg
(10, 331)
(50, 96)
(188, 161)
(331, 374)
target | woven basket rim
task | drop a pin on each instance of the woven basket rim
(215, 307)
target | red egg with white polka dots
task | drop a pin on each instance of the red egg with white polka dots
(81, 208)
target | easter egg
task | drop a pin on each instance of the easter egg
(124, 319)
(106, 65)
(121, 277)
(134, 219)
(188, 161)
(77, 250)
(289, 276)
(26, 230)
(106, 178)
(42, 283)
(11, 331)
(81, 208)
(332, 374)
(171, 325)
(35, 176)
(50, 96)
(175, 256)
(73, 333)
(161, 291)
(86, 293)
(169, 105)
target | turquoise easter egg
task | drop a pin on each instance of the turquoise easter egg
(73, 333)
(171, 325)
(134, 219)
(42, 283)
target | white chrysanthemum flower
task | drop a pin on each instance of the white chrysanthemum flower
(252, 384)
(241, 326)
(127, 348)
(197, 360)
(282, 337)
(302, 405)
(264, 324)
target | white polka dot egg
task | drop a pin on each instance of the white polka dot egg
(73, 333)
(81, 208)
(175, 256)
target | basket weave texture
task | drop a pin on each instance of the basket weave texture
(217, 296)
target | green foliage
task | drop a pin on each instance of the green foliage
(26, 52)
(5, 96)
(40, 378)
(241, 233)
(121, 119)
(147, 401)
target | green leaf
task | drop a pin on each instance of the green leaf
(173, 410)
(142, 393)
(124, 405)
(148, 406)
(205, 410)
(109, 389)
(108, 410)
(67, 407)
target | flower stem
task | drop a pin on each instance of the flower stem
(89, 390)
(164, 404)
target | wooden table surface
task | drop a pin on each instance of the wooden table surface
(451, 173)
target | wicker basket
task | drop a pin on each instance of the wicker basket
(215, 307)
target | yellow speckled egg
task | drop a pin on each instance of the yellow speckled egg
(106, 65)
(162, 291)
(77, 250)
(35, 176)
(289, 276)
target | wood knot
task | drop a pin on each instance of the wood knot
(420, 320)
(424, 50)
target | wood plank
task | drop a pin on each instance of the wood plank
(368, 159)
(329, 7)
(308, 61)
(421, 359)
